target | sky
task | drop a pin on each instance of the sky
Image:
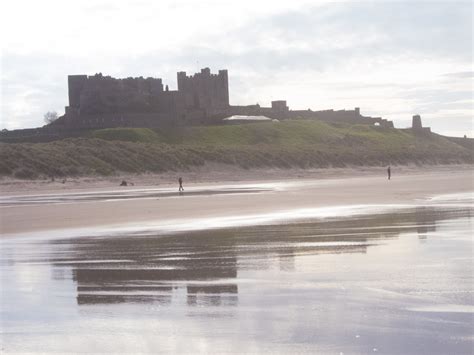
(392, 59)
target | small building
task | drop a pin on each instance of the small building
(417, 126)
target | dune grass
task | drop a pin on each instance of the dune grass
(301, 144)
(143, 135)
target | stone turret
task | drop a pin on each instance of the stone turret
(76, 84)
(417, 127)
(205, 91)
(416, 123)
(280, 106)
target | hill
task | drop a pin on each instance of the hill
(302, 144)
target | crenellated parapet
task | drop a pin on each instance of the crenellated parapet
(103, 101)
(205, 91)
(202, 98)
(103, 94)
(341, 116)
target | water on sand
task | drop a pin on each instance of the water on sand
(392, 282)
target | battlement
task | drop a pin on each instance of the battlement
(203, 97)
(205, 91)
(104, 94)
(100, 100)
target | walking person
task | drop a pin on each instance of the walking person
(180, 181)
(389, 172)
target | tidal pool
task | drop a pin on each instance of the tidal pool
(395, 282)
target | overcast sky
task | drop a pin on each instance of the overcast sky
(392, 59)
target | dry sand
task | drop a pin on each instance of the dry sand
(293, 190)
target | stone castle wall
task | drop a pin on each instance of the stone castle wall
(102, 101)
(205, 91)
(203, 98)
(103, 94)
(281, 112)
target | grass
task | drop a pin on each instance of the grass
(126, 134)
(288, 144)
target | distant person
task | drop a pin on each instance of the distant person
(389, 172)
(180, 181)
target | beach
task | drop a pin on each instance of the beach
(38, 207)
(342, 264)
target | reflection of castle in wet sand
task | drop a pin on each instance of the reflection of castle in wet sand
(205, 263)
(152, 269)
(425, 223)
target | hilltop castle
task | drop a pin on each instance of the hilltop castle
(203, 98)
(103, 101)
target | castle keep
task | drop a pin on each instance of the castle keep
(103, 101)
(203, 98)
(205, 91)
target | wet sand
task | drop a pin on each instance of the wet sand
(387, 283)
(29, 210)
(352, 265)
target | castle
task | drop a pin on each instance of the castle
(203, 98)
(102, 101)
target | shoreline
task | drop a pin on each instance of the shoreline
(210, 173)
(280, 196)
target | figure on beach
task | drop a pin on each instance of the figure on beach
(389, 172)
(180, 181)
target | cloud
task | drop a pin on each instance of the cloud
(393, 59)
(461, 75)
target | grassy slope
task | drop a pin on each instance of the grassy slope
(267, 144)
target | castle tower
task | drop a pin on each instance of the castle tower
(279, 106)
(224, 86)
(75, 85)
(416, 123)
(205, 91)
(181, 80)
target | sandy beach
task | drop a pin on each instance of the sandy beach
(89, 203)
(253, 264)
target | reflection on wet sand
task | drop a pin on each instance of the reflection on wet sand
(397, 282)
(425, 222)
(125, 195)
(141, 269)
